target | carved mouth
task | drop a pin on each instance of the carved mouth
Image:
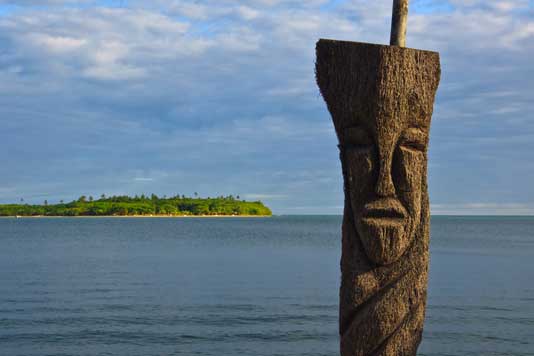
(384, 210)
(384, 213)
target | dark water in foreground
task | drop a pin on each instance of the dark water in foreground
(244, 286)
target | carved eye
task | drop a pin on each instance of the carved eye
(414, 145)
(414, 139)
(357, 138)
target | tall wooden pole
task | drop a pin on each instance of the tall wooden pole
(399, 22)
(381, 100)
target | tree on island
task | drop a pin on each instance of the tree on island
(141, 205)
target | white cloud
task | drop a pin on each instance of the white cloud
(114, 72)
(143, 179)
(45, 2)
(226, 89)
(242, 39)
(483, 209)
(247, 13)
(100, 43)
(191, 9)
(58, 44)
(499, 5)
(258, 196)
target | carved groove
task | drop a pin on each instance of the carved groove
(383, 344)
(358, 311)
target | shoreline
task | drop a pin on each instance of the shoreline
(131, 216)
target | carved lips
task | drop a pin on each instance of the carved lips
(385, 210)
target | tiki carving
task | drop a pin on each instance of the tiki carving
(381, 101)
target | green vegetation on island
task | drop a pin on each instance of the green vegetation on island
(141, 206)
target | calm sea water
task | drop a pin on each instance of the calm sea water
(244, 286)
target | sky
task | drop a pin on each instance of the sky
(219, 97)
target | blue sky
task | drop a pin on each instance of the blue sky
(218, 97)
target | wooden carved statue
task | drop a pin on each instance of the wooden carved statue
(381, 101)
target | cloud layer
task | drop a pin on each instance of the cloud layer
(219, 97)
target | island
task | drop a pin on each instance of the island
(142, 205)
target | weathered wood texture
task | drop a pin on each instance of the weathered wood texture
(381, 101)
(399, 23)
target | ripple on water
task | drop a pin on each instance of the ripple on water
(263, 287)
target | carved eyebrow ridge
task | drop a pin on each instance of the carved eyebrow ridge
(415, 134)
(414, 139)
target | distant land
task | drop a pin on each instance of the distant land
(141, 206)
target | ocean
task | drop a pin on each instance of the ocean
(244, 286)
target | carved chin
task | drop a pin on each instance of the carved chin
(384, 239)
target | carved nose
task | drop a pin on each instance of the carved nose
(384, 186)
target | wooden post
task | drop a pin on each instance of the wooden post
(399, 22)
(381, 100)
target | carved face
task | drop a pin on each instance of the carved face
(385, 169)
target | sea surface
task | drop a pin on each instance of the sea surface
(244, 286)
